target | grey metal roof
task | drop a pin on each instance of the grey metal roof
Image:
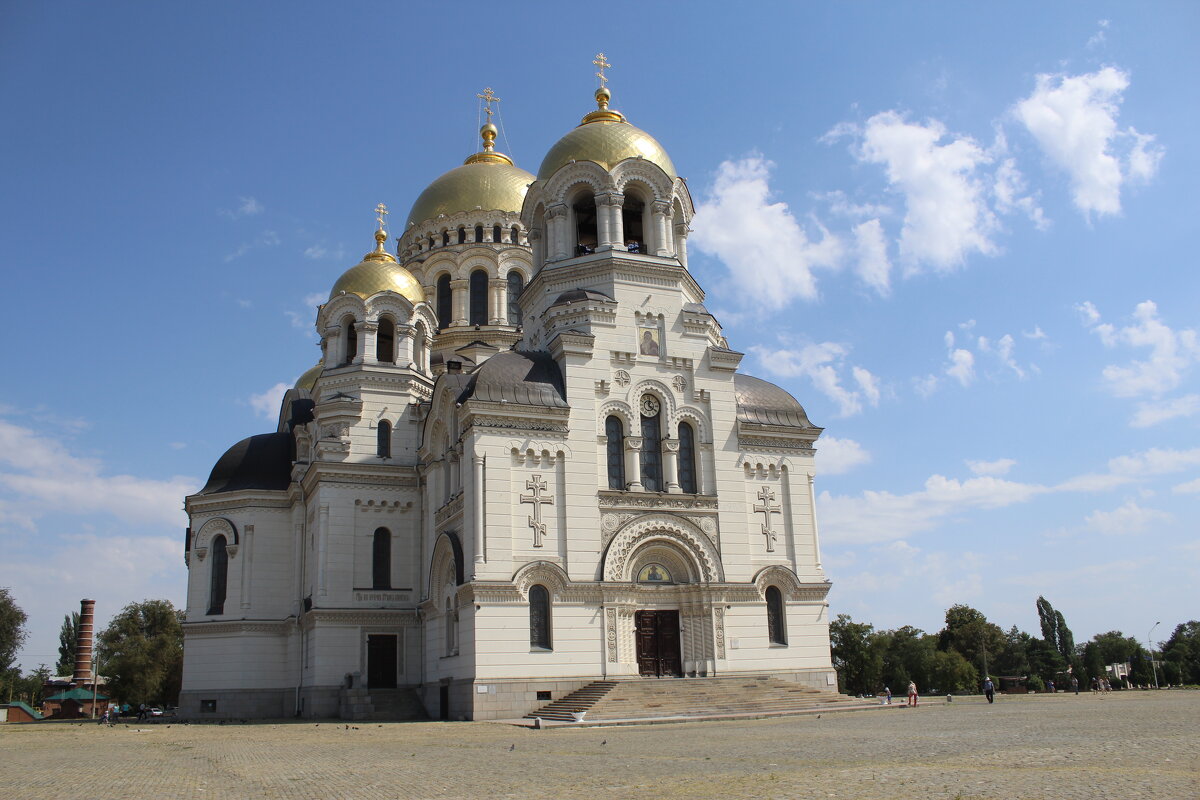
(696, 308)
(530, 378)
(258, 462)
(575, 295)
(766, 404)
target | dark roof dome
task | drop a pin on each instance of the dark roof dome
(530, 378)
(766, 404)
(575, 295)
(258, 462)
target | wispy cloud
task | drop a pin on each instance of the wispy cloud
(827, 368)
(838, 456)
(1129, 518)
(1000, 466)
(264, 239)
(266, 404)
(247, 207)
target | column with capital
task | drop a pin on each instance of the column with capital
(368, 335)
(361, 328)
(478, 499)
(458, 302)
(499, 315)
(633, 463)
(681, 232)
(670, 453)
(537, 243)
(608, 220)
(662, 237)
(812, 509)
(557, 233)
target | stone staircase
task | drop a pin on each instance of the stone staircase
(381, 704)
(650, 698)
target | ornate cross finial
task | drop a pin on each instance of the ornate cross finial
(380, 212)
(602, 62)
(488, 97)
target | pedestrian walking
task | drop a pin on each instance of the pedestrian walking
(1074, 684)
(1095, 685)
(912, 693)
(887, 690)
(989, 690)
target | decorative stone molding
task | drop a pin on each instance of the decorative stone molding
(610, 635)
(719, 630)
(611, 498)
(217, 526)
(277, 627)
(450, 510)
(546, 573)
(679, 382)
(621, 378)
(667, 528)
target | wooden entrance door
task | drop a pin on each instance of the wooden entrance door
(658, 643)
(381, 661)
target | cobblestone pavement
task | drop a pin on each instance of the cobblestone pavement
(1127, 745)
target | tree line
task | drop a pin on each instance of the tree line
(970, 648)
(140, 653)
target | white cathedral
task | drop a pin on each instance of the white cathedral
(526, 461)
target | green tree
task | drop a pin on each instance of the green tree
(141, 653)
(906, 655)
(68, 640)
(968, 631)
(856, 661)
(1115, 647)
(12, 630)
(1014, 659)
(950, 672)
(1182, 653)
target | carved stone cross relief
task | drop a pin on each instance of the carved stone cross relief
(767, 496)
(537, 486)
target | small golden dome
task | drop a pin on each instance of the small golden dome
(487, 180)
(309, 379)
(607, 138)
(379, 272)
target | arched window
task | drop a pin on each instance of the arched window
(496, 234)
(462, 235)
(515, 235)
(479, 299)
(615, 432)
(539, 618)
(651, 455)
(479, 233)
(585, 224)
(445, 238)
(776, 624)
(516, 285)
(418, 351)
(451, 627)
(351, 338)
(385, 342)
(687, 459)
(632, 213)
(383, 439)
(381, 559)
(430, 242)
(444, 299)
(219, 578)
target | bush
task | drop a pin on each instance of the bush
(1036, 684)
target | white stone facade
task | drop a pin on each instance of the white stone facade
(455, 512)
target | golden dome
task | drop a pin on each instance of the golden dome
(309, 379)
(378, 272)
(607, 138)
(487, 180)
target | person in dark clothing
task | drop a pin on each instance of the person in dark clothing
(989, 690)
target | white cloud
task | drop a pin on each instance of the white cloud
(1074, 121)
(1036, 334)
(315, 252)
(47, 477)
(842, 206)
(264, 239)
(927, 385)
(946, 216)
(1152, 412)
(1009, 190)
(1155, 461)
(961, 366)
(760, 242)
(871, 256)
(838, 456)
(247, 207)
(1130, 518)
(1003, 351)
(1000, 466)
(824, 365)
(267, 403)
(1191, 487)
(1172, 354)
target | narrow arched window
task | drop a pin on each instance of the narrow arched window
(539, 618)
(462, 235)
(381, 559)
(585, 224)
(651, 454)
(444, 299)
(445, 238)
(479, 291)
(351, 337)
(219, 578)
(419, 347)
(632, 213)
(776, 624)
(430, 242)
(383, 439)
(515, 235)
(385, 342)
(479, 233)
(516, 285)
(687, 459)
(614, 431)
(496, 234)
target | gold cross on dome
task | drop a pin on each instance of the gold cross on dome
(602, 62)
(380, 212)
(488, 97)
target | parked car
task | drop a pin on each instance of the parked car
(156, 712)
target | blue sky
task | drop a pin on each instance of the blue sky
(959, 233)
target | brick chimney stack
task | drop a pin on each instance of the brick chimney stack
(83, 642)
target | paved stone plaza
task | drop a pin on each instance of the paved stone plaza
(1143, 744)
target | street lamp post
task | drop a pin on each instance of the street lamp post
(1153, 666)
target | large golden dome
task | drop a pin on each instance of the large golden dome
(378, 272)
(607, 138)
(309, 379)
(487, 180)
